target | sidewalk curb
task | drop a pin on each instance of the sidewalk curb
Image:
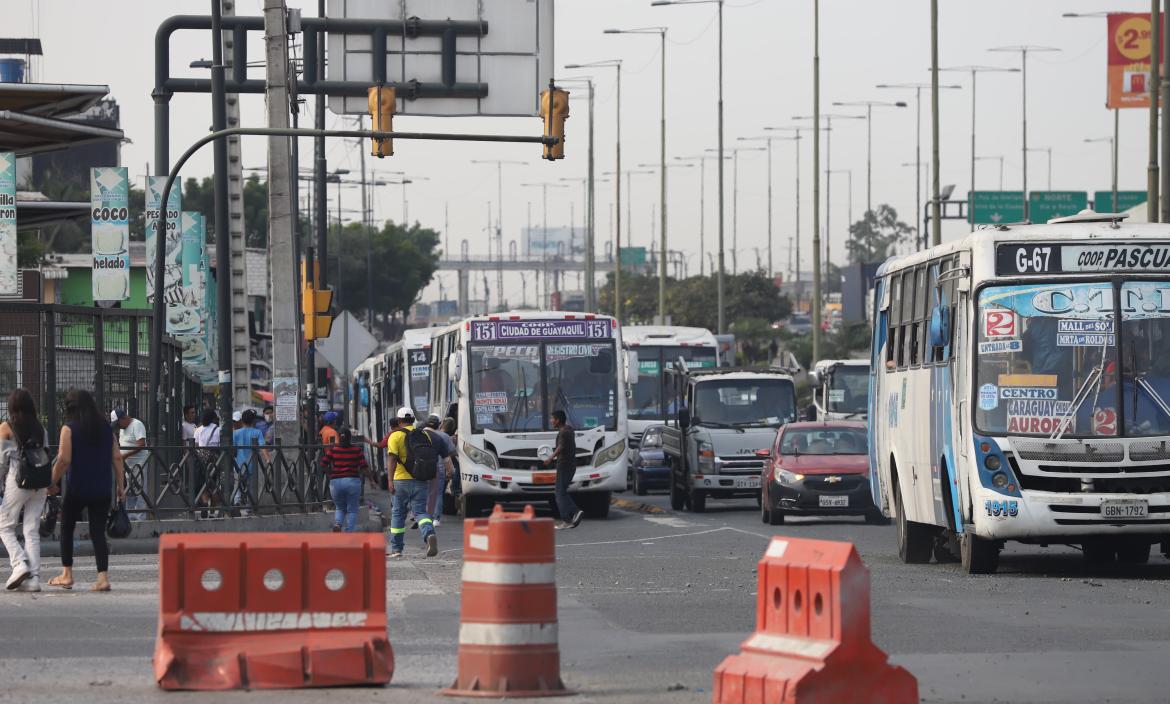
(638, 506)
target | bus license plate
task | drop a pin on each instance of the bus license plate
(544, 478)
(753, 483)
(1125, 508)
(834, 501)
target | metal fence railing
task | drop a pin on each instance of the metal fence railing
(50, 349)
(191, 482)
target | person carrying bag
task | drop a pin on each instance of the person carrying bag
(26, 473)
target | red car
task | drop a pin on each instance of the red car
(818, 468)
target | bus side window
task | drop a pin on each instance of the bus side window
(909, 339)
(895, 317)
(928, 300)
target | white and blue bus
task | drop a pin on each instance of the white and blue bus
(658, 347)
(1021, 391)
(501, 376)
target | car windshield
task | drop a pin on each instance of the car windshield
(823, 441)
(849, 389)
(515, 386)
(647, 393)
(1048, 359)
(747, 402)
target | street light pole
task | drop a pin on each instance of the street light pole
(1023, 50)
(499, 164)
(1113, 159)
(661, 32)
(1048, 154)
(722, 323)
(869, 105)
(975, 71)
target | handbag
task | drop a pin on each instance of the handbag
(49, 516)
(118, 524)
(33, 469)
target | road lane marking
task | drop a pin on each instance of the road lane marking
(673, 522)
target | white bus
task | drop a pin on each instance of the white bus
(1021, 392)
(500, 376)
(657, 347)
(387, 381)
(840, 389)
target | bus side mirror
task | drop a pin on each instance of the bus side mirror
(814, 377)
(684, 418)
(455, 366)
(631, 367)
(940, 326)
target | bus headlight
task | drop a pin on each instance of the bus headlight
(991, 462)
(610, 454)
(479, 456)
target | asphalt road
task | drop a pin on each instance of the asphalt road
(650, 604)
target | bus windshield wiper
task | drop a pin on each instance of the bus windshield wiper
(1154, 395)
(1094, 378)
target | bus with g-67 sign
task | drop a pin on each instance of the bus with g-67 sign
(501, 377)
(1021, 391)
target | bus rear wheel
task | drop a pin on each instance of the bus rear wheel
(979, 555)
(915, 540)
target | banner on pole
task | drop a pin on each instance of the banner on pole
(1129, 60)
(154, 189)
(8, 245)
(109, 196)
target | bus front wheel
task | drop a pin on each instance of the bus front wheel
(474, 506)
(979, 555)
(915, 540)
(595, 504)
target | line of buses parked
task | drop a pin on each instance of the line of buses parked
(1017, 388)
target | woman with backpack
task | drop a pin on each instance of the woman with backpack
(90, 462)
(22, 456)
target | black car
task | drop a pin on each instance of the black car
(649, 467)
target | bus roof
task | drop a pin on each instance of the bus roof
(1084, 228)
(670, 335)
(417, 337)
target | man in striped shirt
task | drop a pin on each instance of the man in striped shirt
(346, 463)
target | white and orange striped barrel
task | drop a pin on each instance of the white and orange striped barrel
(508, 613)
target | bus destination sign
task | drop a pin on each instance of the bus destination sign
(1041, 258)
(502, 330)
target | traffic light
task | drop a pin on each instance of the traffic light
(554, 109)
(315, 305)
(382, 102)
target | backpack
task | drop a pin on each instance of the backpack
(34, 470)
(424, 458)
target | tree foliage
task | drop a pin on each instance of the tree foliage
(199, 195)
(404, 259)
(874, 237)
(693, 301)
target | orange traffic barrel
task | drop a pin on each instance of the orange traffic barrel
(272, 611)
(508, 612)
(812, 640)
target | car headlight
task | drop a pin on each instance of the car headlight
(783, 476)
(610, 454)
(479, 456)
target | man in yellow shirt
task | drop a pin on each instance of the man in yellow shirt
(409, 493)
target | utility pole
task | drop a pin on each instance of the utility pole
(816, 300)
(366, 229)
(282, 253)
(935, 205)
(223, 257)
(1156, 40)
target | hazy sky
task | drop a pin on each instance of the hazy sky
(768, 67)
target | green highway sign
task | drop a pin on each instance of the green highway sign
(994, 207)
(1046, 205)
(1103, 201)
(633, 257)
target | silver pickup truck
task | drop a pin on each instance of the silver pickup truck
(721, 425)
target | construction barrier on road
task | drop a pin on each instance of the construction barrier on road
(508, 614)
(812, 641)
(272, 611)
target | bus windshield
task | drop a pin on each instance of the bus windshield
(647, 400)
(745, 402)
(420, 379)
(848, 389)
(1048, 359)
(514, 387)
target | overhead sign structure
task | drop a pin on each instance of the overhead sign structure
(1103, 201)
(1129, 60)
(109, 193)
(348, 344)
(995, 207)
(492, 58)
(1046, 205)
(8, 273)
(154, 189)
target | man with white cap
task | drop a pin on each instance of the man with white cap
(132, 440)
(411, 452)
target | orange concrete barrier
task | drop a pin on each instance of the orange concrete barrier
(812, 641)
(272, 611)
(508, 612)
